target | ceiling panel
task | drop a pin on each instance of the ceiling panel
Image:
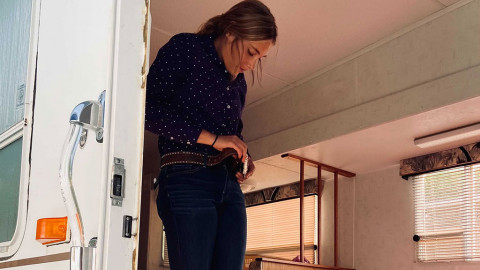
(376, 147)
(312, 34)
(267, 86)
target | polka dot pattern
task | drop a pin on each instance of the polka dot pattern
(189, 89)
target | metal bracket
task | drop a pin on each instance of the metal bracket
(99, 132)
(128, 231)
(117, 190)
(82, 258)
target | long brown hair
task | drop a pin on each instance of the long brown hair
(248, 20)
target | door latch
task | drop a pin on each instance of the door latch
(117, 190)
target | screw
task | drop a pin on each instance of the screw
(100, 135)
(83, 138)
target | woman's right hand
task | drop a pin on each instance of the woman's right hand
(232, 141)
(222, 142)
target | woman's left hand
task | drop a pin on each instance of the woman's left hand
(251, 170)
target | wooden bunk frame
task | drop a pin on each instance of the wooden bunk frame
(320, 167)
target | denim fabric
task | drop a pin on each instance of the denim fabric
(203, 211)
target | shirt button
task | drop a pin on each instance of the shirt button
(228, 106)
(228, 87)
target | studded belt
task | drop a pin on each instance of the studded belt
(184, 157)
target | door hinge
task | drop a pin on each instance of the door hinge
(127, 231)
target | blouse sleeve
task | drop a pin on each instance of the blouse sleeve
(240, 129)
(239, 133)
(167, 74)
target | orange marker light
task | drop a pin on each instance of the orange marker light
(52, 230)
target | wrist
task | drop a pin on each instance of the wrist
(215, 140)
(206, 137)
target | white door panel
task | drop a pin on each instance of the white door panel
(127, 118)
(85, 47)
(72, 66)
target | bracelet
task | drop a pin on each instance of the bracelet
(216, 137)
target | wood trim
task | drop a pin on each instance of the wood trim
(259, 251)
(302, 195)
(318, 164)
(36, 260)
(262, 259)
(335, 229)
(319, 213)
(145, 222)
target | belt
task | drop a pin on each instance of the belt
(184, 157)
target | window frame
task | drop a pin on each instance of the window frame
(24, 130)
(468, 201)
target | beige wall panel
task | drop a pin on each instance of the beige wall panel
(345, 221)
(444, 46)
(448, 90)
(260, 89)
(323, 95)
(383, 221)
(326, 256)
(384, 225)
(158, 39)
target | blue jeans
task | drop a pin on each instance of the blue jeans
(203, 212)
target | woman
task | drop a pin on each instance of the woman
(195, 98)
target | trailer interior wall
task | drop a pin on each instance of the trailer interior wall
(433, 64)
(384, 225)
(429, 65)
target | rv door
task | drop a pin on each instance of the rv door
(86, 48)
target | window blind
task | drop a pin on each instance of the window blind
(274, 229)
(166, 261)
(447, 214)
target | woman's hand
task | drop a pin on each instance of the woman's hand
(232, 141)
(251, 170)
(222, 142)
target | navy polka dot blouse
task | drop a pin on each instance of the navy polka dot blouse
(189, 89)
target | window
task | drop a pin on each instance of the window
(15, 21)
(447, 214)
(10, 161)
(14, 44)
(274, 229)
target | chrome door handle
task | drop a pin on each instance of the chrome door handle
(87, 115)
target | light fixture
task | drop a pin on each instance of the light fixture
(448, 136)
